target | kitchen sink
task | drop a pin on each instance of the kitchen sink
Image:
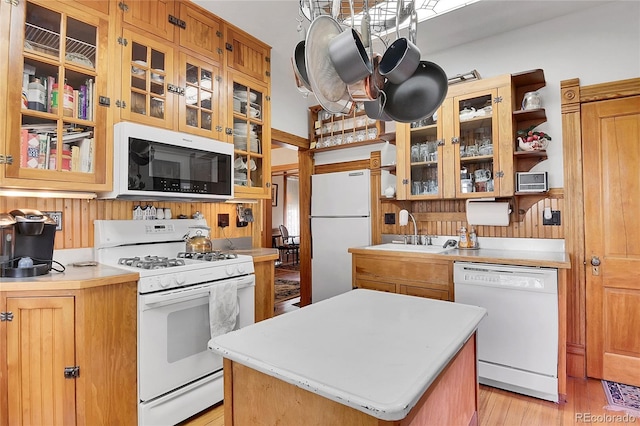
(433, 249)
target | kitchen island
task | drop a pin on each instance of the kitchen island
(363, 357)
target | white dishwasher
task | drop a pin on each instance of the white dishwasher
(518, 340)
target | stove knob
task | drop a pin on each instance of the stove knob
(164, 281)
(181, 278)
(229, 270)
(241, 268)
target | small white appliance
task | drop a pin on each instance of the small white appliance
(150, 163)
(518, 340)
(532, 181)
(340, 219)
(177, 375)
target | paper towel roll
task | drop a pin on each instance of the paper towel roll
(487, 213)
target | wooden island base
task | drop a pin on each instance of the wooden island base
(255, 398)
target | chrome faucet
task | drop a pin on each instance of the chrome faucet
(448, 243)
(404, 220)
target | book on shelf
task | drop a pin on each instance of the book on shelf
(44, 150)
(82, 156)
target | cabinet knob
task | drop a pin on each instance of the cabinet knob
(455, 140)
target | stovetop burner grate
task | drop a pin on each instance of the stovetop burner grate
(150, 262)
(208, 256)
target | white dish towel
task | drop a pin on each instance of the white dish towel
(223, 308)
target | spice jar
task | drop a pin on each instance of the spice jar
(36, 94)
(67, 100)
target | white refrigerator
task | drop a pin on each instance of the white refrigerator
(340, 219)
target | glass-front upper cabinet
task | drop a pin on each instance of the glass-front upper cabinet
(475, 120)
(251, 138)
(148, 86)
(58, 135)
(425, 154)
(199, 109)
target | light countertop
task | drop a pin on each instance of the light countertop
(373, 351)
(549, 259)
(259, 254)
(73, 278)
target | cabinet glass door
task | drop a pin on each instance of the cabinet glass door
(147, 81)
(248, 132)
(58, 106)
(199, 107)
(475, 130)
(425, 156)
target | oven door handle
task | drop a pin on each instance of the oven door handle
(189, 293)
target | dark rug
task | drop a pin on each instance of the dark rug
(289, 267)
(286, 289)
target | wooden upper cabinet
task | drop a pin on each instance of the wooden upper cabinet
(148, 82)
(101, 6)
(151, 16)
(247, 55)
(202, 32)
(200, 110)
(57, 121)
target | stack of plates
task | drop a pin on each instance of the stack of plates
(238, 104)
(242, 95)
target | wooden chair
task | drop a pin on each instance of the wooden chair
(288, 246)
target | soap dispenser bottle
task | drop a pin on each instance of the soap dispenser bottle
(464, 238)
(473, 238)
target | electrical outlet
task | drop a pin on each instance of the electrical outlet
(223, 220)
(553, 220)
(389, 218)
(57, 216)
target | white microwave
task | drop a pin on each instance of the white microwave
(532, 182)
(150, 163)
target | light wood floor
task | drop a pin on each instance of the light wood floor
(585, 402)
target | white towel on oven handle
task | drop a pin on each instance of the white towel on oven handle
(223, 308)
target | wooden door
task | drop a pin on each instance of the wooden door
(247, 55)
(40, 344)
(202, 33)
(611, 152)
(150, 16)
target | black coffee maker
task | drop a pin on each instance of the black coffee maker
(27, 245)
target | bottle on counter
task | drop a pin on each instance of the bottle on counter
(464, 238)
(473, 238)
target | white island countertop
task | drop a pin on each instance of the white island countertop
(374, 351)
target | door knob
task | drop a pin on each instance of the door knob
(595, 261)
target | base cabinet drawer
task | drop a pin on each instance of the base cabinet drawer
(424, 292)
(375, 285)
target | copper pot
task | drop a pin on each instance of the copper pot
(369, 87)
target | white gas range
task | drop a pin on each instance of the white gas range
(177, 375)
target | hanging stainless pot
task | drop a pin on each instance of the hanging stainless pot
(349, 57)
(300, 68)
(299, 63)
(376, 109)
(198, 243)
(401, 59)
(417, 97)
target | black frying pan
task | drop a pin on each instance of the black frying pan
(417, 97)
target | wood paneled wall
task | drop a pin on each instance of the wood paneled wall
(445, 217)
(78, 216)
